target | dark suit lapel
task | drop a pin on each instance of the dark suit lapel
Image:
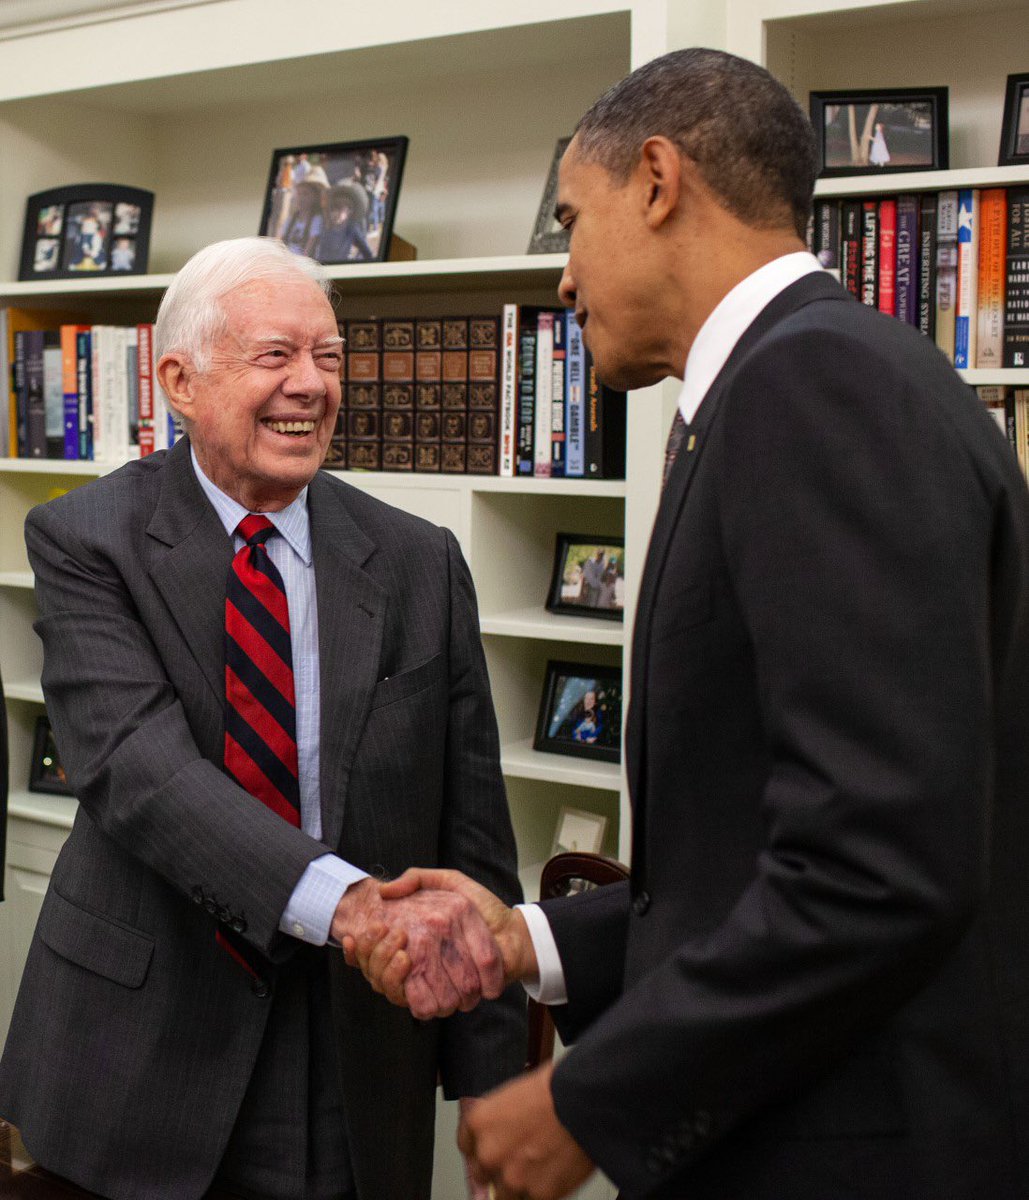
(190, 564)
(351, 618)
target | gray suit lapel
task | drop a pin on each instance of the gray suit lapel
(351, 619)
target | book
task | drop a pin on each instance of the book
(965, 322)
(946, 270)
(908, 259)
(145, 383)
(541, 455)
(1016, 280)
(398, 379)
(364, 395)
(428, 394)
(927, 265)
(605, 428)
(886, 289)
(869, 253)
(53, 393)
(558, 438)
(15, 320)
(993, 221)
(1021, 407)
(850, 246)
(826, 245)
(996, 400)
(483, 395)
(575, 400)
(454, 410)
(33, 345)
(508, 389)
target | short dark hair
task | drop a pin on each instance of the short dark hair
(753, 144)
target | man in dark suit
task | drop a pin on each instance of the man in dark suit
(182, 1023)
(816, 985)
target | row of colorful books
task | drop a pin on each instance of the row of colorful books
(1009, 407)
(955, 264)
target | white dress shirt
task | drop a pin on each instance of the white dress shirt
(715, 341)
(308, 913)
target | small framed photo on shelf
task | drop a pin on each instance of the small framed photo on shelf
(579, 830)
(880, 131)
(86, 230)
(581, 711)
(1014, 133)
(45, 771)
(589, 577)
(335, 202)
(548, 237)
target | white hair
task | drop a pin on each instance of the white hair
(190, 317)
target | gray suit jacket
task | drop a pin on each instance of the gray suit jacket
(134, 1035)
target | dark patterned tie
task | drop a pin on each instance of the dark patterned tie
(260, 702)
(675, 438)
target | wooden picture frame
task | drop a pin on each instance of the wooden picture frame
(880, 131)
(1014, 132)
(548, 237)
(86, 231)
(581, 711)
(335, 202)
(585, 585)
(45, 771)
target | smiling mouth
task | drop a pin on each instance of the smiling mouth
(289, 428)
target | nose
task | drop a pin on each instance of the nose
(566, 288)
(303, 377)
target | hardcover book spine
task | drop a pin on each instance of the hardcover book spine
(526, 388)
(1021, 407)
(508, 390)
(1016, 281)
(35, 402)
(428, 395)
(870, 252)
(946, 271)
(995, 399)
(454, 416)
(887, 291)
(827, 235)
(53, 393)
(605, 428)
(364, 395)
(145, 387)
(907, 259)
(398, 371)
(965, 324)
(544, 395)
(558, 438)
(575, 400)
(84, 373)
(993, 220)
(850, 246)
(483, 395)
(131, 363)
(927, 266)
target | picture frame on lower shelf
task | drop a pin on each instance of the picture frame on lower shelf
(86, 231)
(880, 131)
(580, 711)
(1014, 132)
(588, 579)
(548, 236)
(578, 830)
(335, 202)
(45, 771)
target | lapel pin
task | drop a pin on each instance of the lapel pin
(691, 443)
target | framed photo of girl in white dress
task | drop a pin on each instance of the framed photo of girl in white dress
(880, 131)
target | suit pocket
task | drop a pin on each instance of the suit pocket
(681, 608)
(408, 683)
(95, 942)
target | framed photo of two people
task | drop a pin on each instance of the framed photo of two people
(588, 578)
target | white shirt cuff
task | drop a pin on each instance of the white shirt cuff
(308, 913)
(550, 987)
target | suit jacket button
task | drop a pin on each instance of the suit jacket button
(223, 913)
(197, 895)
(211, 905)
(260, 988)
(641, 903)
(238, 924)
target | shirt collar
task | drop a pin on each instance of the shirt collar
(293, 522)
(731, 318)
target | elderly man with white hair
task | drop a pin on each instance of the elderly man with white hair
(267, 687)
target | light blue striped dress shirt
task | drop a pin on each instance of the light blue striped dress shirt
(309, 912)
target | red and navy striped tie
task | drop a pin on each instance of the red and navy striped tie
(260, 702)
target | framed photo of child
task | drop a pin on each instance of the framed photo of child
(581, 711)
(86, 230)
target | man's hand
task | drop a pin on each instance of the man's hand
(448, 956)
(513, 1139)
(388, 965)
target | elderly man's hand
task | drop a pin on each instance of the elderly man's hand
(437, 939)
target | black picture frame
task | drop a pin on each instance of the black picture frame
(45, 771)
(341, 209)
(851, 141)
(565, 715)
(600, 598)
(1014, 130)
(86, 231)
(548, 237)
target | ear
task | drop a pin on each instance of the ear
(176, 374)
(660, 170)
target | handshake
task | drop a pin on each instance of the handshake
(433, 940)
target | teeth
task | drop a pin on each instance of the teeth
(291, 426)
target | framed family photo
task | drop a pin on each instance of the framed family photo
(880, 131)
(548, 237)
(1014, 135)
(588, 579)
(335, 202)
(45, 771)
(581, 711)
(86, 230)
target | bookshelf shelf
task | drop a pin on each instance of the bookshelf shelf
(43, 809)
(920, 181)
(520, 760)
(23, 689)
(545, 626)
(16, 579)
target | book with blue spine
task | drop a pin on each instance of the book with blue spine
(968, 278)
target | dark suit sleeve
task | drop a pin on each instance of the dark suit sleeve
(857, 528)
(128, 749)
(482, 1048)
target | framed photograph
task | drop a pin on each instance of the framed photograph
(335, 202)
(1014, 133)
(578, 829)
(581, 711)
(45, 771)
(547, 235)
(880, 131)
(85, 230)
(589, 577)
